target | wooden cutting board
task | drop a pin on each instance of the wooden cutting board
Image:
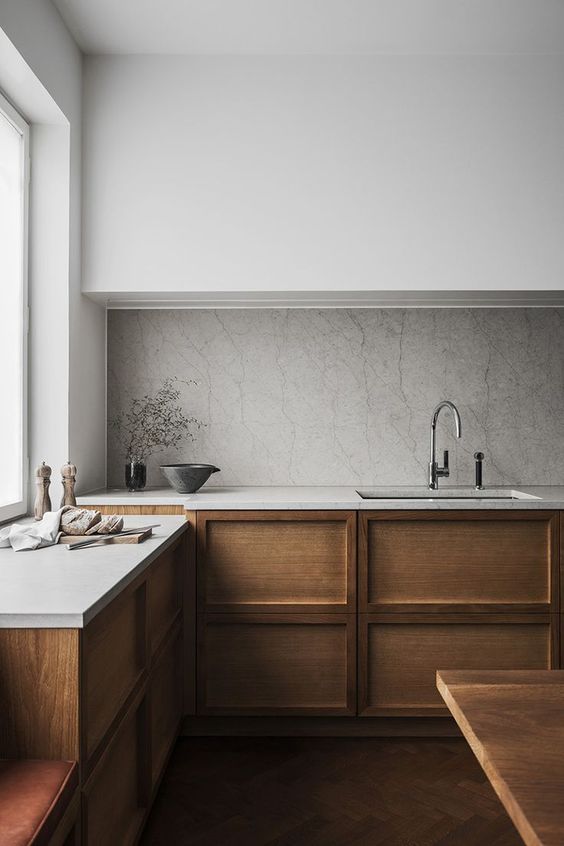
(138, 537)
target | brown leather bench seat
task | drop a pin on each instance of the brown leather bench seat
(34, 796)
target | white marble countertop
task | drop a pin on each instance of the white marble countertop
(55, 588)
(322, 498)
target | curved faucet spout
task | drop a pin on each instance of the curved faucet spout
(435, 472)
(455, 414)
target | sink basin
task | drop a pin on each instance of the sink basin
(443, 493)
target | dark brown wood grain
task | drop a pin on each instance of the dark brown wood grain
(143, 508)
(114, 660)
(165, 593)
(277, 664)
(189, 614)
(305, 726)
(165, 699)
(326, 792)
(459, 561)
(277, 561)
(561, 562)
(400, 653)
(514, 723)
(116, 796)
(108, 696)
(39, 685)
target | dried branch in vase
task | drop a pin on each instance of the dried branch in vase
(154, 422)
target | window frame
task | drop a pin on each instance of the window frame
(17, 509)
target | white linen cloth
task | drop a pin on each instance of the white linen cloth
(44, 532)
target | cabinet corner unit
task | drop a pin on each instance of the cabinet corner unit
(108, 695)
(343, 613)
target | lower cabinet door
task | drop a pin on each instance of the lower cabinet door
(115, 796)
(399, 654)
(113, 661)
(277, 664)
(166, 703)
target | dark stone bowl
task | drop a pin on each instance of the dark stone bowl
(188, 478)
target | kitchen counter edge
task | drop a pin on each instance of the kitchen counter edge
(314, 498)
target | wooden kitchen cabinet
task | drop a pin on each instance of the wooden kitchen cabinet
(437, 590)
(399, 654)
(109, 695)
(452, 590)
(132, 700)
(165, 702)
(276, 612)
(285, 664)
(143, 508)
(38, 676)
(116, 796)
(165, 594)
(493, 561)
(277, 561)
(114, 661)
(278, 616)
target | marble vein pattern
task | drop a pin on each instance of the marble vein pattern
(344, 396)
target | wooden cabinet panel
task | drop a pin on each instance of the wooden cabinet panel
(39, 682)
(114, 658)
(277, 664)
(164, 594)
(492, 561)
(138, 509)
(277, 561)
(400, 654)
(189, 613)
(561, 551)
(166, 702)
(116, 794)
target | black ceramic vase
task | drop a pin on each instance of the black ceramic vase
(135, 475)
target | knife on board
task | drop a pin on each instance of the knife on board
(94, 539)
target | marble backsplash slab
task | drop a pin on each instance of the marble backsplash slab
(344, 396)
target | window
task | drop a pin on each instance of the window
(14, 172)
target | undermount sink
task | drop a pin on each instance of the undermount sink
(443, 493)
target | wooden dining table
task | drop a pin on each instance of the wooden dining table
(513, 721)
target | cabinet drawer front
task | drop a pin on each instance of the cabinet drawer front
(483, 560)
(114, 658)
(164, 594)
(166, 703)
(399, 660)
(277, 664)
(277, 561)
(115, 796)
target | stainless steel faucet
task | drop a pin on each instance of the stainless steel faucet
(435, 472)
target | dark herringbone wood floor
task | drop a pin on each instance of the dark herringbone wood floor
(326, 792)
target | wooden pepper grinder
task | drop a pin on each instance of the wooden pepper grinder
(68, 472)
(42, 498)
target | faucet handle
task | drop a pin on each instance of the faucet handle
(445, 462)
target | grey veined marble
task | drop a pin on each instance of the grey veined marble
(344, 396)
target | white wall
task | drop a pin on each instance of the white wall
(323, 173)
(41, 72)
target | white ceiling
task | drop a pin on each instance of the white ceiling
(316, 26)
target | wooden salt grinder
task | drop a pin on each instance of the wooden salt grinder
(42, 498)
(68, 472)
